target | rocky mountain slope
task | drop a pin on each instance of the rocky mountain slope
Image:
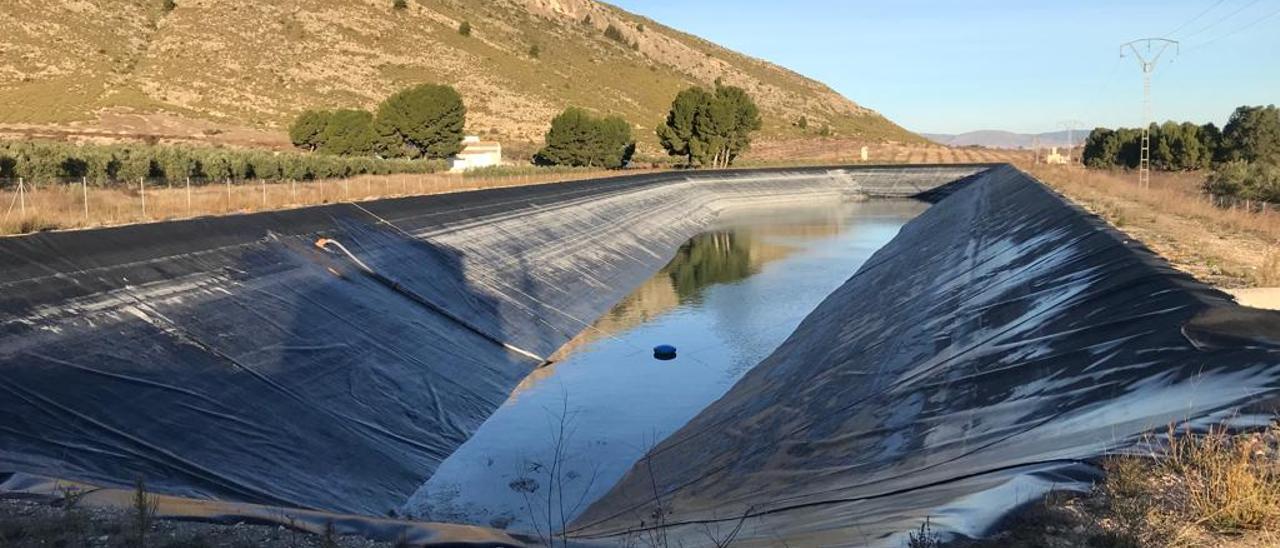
(214, 66)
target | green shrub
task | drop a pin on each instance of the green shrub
(400, 4)
(137, 163)
(422, 121)
(1259, 181)
(175, 163)
(7, 163)
(44, 161)
(348, 133)
(578, 139)
(465, 28)
(308, 127)
(267, 166)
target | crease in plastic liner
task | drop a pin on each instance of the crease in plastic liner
(983, 357)
(229, 359)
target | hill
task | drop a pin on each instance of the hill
(992, 138)
(241, 69)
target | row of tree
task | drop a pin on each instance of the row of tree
(706, 128)
(424, 121)
(410, 132)
(1252, 134)
(43, 161)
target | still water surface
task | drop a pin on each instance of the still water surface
(727, 299)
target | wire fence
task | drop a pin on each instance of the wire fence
(31, 206)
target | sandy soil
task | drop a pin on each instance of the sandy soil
(1258, 297)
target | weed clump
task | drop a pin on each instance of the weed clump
(1201, 484)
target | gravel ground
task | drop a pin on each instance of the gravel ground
(27, 523)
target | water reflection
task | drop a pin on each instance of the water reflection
(726, 300)
(718, 257)
(708, 259)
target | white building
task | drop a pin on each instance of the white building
(475, 154)
(1055, 157)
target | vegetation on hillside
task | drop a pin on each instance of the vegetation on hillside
(1245, 154)
(577, 138)
(710, 128)
(424, 121)
(132, 57)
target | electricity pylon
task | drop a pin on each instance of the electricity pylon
(1148, 52)
(1070, 126)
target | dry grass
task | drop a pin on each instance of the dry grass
(1202, 489)
(1227, 247)
(62, 206)
(1269, 273)
(1228, 483)
(1209, 488)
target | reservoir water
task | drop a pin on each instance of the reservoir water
(726, 300)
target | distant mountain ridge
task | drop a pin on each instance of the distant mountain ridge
(993, 138)
(255, 65)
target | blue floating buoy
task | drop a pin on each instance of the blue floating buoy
(664, 352)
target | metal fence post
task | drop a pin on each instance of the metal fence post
(188, 196)
(142, 191)
(228, 194)
(22, 196)
(84, 185)
(263, 183)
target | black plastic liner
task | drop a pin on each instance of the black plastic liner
(1002, 340)
(234, 359)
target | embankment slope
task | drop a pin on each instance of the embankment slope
(979, 360)
(231, 358)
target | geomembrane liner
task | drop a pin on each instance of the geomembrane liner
(232, 358)
(970, 366)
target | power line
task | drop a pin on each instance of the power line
(1238, 30)
(1221, 19)
(1196, 18)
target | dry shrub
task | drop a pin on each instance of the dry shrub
(1171, 193)
(1202, 486)
(1133, 505)
(1268, 274)
(1228, 482)
(28, 224)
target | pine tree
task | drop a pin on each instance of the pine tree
(677, 135)
(308, 127)
(348, 133)
(423, 121)
(1253, 134)
(710, 128)
(577, 138)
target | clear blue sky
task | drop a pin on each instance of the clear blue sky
(953, 66)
